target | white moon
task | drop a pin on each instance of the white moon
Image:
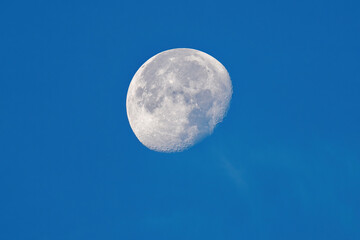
(176, 98)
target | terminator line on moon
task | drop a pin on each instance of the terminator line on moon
(176, 99)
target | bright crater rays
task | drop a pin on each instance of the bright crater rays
(176, 99)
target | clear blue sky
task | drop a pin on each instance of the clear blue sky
(284, 164)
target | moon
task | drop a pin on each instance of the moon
(176, 98)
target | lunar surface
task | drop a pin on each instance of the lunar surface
(177, 98)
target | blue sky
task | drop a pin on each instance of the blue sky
(284, 164)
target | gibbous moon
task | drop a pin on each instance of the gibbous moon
(176, 99)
